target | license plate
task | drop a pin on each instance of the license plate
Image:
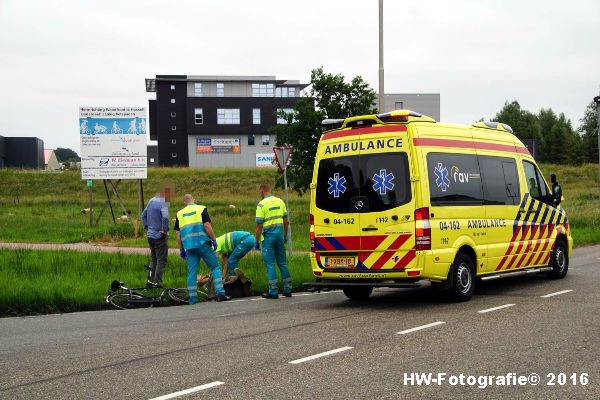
(338, 262)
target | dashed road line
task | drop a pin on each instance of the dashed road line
(188, 391)
(418, 328)
(556, 293)
(487, 310)
(315, 356)
(231, 314)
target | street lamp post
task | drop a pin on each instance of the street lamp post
(597, 101)
(381, 91)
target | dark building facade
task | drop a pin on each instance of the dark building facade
(217, 121)
(21, 152)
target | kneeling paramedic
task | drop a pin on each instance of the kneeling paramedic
(272, 222)
(197, 241)
(233, 246)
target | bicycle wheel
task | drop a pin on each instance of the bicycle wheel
(181, 296)
(124, 301)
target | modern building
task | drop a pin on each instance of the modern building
(50, 161)
(217, 121)
(423, 103)
(21, 152)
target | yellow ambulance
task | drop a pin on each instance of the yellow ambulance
(398, 197)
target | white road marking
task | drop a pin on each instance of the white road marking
(487, 310)
(418, 328)
(188, 391)
(327, 353)
(232, 314)
(556, 293)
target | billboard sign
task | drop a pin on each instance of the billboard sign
(265, 160)
(217, 145)
(113, 142)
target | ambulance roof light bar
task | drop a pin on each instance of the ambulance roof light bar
(499, 126)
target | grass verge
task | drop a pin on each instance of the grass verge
(36, 282)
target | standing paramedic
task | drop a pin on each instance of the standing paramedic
(197, 241)
(233, 246)
(272, 225)
(155, 218)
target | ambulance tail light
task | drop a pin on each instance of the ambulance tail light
(312, 233)
(422, 229)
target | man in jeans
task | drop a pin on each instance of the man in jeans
(156, 221)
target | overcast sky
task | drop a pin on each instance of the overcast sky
(58, 55)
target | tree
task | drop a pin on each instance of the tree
(589, 133)
(330, 97)
(66, 154)
(525, 124)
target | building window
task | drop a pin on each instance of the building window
(265, 140)
(283, 121)
(172, 101)
(285, 91)
(250, 140)
(173, 114)
(256, 116)
(263, 89)
(173, 141)
(228, 116)
(172, 87)
(198, 116)
(174, 155)
(197, 89)
(173, 127)
(220, 89)
(399, 105)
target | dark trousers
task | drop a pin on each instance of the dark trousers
(159, 251)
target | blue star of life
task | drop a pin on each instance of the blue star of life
(336, 185)
(441, 177)
(383, 181)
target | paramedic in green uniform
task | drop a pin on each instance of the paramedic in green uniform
(272, 227)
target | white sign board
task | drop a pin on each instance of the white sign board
(265, 160)
(113, 142)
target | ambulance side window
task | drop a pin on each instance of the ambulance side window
(535, 183)
(454, 179)
(500, 180)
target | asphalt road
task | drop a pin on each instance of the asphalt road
(258, 349)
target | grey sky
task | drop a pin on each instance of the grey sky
(57, 55)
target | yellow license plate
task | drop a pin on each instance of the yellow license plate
(338, 262)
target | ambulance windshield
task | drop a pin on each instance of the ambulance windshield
(365, 183)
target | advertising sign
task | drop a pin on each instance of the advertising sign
(113, 142)
(265, 160)
(217, 145)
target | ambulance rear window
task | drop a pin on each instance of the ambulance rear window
(366, 183)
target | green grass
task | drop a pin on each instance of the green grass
(45, 207)
(33, 282)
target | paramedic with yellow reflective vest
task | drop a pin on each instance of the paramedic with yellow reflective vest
(272, 227)
(197, 241)
(233, 246)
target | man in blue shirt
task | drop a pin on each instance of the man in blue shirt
(156, 221)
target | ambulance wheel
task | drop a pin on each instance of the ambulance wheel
(559, 261)
(462, 278)
(358, 292)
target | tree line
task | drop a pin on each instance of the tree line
(557, 141)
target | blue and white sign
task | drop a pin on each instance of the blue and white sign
(383, 181)
(264, 160)
(113, 142)
(337, 185)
